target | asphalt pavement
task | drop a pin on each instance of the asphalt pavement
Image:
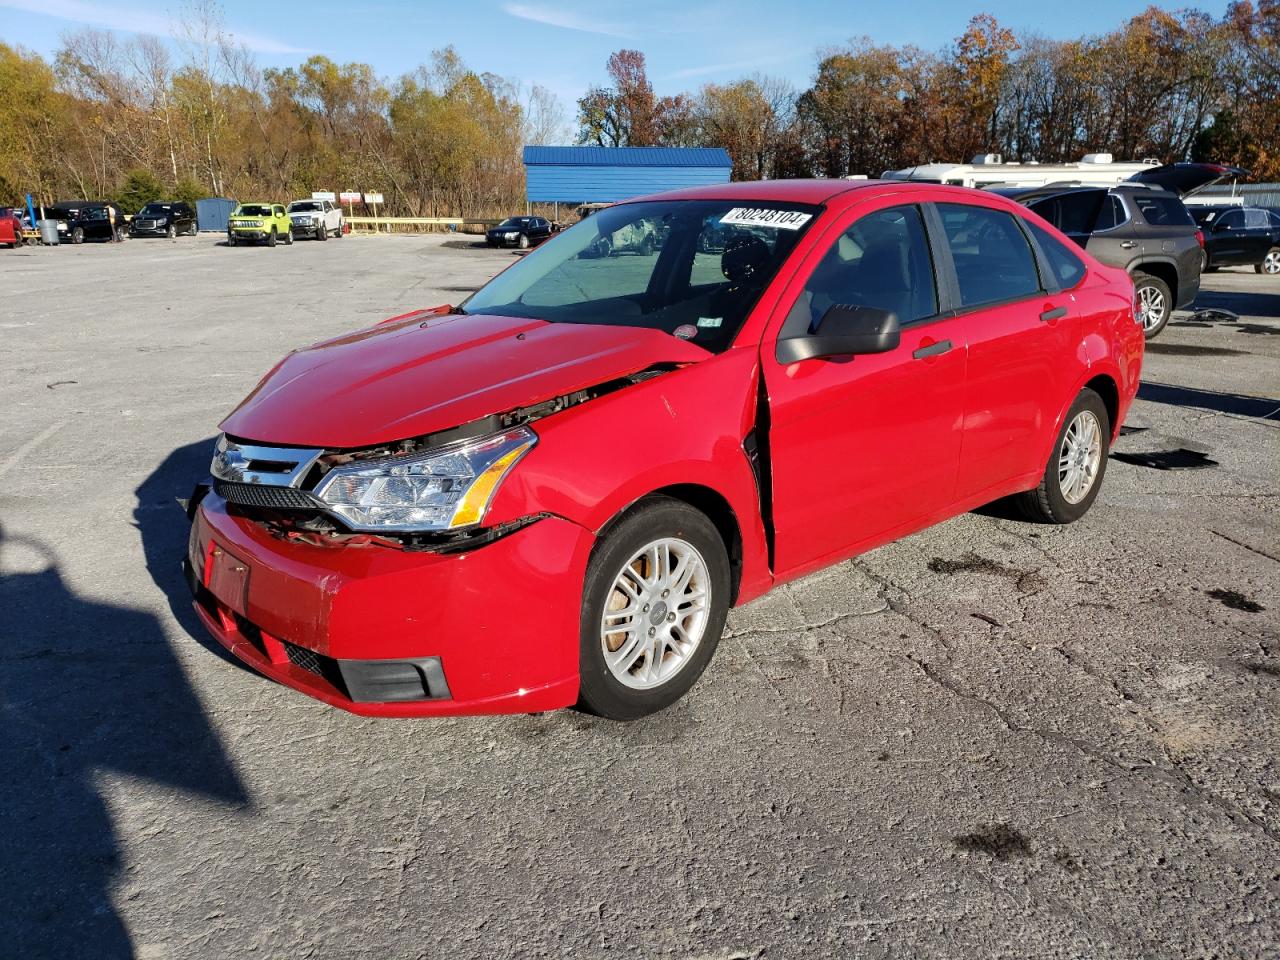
(992, 739)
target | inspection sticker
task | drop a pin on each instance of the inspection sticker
(712, 322)
(764, 217)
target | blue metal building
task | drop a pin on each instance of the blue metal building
(610, 174)
(212, 213)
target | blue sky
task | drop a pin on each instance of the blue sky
(563, 44)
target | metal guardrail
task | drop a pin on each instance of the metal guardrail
(375, 223)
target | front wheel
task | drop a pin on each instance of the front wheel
(1073, 476)
(322, 233)
(523, 242)
(77, 235)
(172, 232)
(271, 238)
(1155, 303)
(1270, 263)
(655, 599)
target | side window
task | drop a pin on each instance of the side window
(1075, 212)
(1112, 214)
(1067, 268)
(1274, 219)
(881, 261)
(992, 257)
(1231, 220)
(1255, 218)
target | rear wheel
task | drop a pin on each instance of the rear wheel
(654, 604)
(1270, 263)
(1073, 475)
(1155, 303)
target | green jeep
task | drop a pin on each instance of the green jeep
(254, 222)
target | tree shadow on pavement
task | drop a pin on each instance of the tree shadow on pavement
(1261, 407)
(88, 690)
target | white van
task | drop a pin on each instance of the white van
(989, 170)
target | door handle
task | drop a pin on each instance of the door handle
(1055, 314)
(932, 350)
(1127, 244)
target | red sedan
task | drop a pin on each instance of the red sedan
(10, 227)
(554, 492)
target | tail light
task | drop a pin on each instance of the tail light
(1200, 238)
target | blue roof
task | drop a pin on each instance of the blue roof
(627, 156)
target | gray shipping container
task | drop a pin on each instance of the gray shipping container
(212, 213)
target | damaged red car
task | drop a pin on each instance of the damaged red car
(553, 493)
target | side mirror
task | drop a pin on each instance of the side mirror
(843, 330)
(1220, 227)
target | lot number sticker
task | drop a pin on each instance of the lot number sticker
(764, 217)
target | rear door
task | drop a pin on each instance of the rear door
(1021, 332)
(1227, 237)
(1257, 233)
(863, 448)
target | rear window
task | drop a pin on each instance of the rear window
(1162, 211)
(1067, 268)
(1255, 218)
(993, 260)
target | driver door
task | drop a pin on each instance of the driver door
(863, 449)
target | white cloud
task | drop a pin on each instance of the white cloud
(132, 21)
(566, 19)
(712, 68)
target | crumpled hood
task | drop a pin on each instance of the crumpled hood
(413, 377)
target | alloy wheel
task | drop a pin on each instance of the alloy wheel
(656, 613)
(1151, 307)
(1271, 263)
(1080, 457)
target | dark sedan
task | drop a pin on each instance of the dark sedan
(522, 232)
(1240, 236)
(164, 219)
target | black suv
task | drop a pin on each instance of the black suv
(1239, 236)
(164, 218)
(94, 220)
(1140, 225)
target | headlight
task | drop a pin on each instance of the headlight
(512, 235)
(446, 489)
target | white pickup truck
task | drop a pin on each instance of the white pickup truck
(316, 218)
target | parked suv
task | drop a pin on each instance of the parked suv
(318, 219)
(1140, 225)
(1240, 236)
(164, 218)
(421, 518)
(259, 223)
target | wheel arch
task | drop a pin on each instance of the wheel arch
(1105, 386)
(713, 505)
(1165, 270)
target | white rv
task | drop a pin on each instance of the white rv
(989, 170)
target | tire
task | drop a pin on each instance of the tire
(341, 230)
(193, 229)
(1051, 501)
(231, 239)
(1270, 263)
(646, 246)
(77, 234)
(322, 233)
(693, 548)
(271, 238)
(172, 232)
(1155, 303)
(523, 242)
(288, 238)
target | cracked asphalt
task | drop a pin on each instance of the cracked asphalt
(992, 739)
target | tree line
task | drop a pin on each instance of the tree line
(137, 118)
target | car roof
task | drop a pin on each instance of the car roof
(786, 191)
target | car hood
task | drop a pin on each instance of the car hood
(1185, 179)
(413, 377)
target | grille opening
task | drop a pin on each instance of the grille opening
(326, 668)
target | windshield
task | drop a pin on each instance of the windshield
(514, 222)
(691, 268)
(253, 210)
(154, 209)
(299, 205)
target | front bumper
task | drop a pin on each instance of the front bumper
(136, 231)
(499, 623)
